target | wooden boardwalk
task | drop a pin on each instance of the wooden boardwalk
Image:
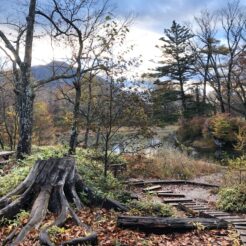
(201, 209)
(198, 209)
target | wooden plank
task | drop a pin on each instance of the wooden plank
(151, 188)
(235, 220)
(218, 213)
(169, 194)
(196, 205)
(211, 214)
(241, 232)
(155, 192)
(238, 227)
(200, 209)
(228, 217)
(180, 200)
(164, 191)
(240, 223)
(243, 239)
(190, 203)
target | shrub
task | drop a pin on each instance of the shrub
(238, 165)
(191, 129)
(233, 199)
(150, 208)
(168, 162)
(11, 180)
(90, 167)
(89, 164)
(223, 127)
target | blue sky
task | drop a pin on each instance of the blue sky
(159, 14)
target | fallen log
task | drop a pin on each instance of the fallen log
(170, 182)
(164, 225)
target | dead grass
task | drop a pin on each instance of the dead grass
(169, 163)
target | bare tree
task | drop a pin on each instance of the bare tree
(24, 84)
(90, 31)
(217, 61)
(233, 22)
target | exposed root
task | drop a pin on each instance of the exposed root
(38, 213)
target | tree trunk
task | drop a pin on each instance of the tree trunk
(26, 99)
(75, 126)
(106, 161)
(88, 113)
(97, 137)
(169, 224)
(24, 90)
(183, 99)
(51, 185)
(87, 131)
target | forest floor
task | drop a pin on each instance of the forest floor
(104, 222)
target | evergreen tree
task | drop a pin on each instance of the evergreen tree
(178, 59)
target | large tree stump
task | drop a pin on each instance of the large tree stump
(51, 185)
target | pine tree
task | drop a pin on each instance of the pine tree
(178, 59)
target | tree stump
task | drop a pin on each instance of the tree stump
(51, 185)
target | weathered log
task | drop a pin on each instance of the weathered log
(170, 182)
(164, 225)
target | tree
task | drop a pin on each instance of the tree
(178, 59)
(8, 117)
(43, 125)
(24, 84)
(91, 31)
(218, 61)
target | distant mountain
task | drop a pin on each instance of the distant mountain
(40, 72)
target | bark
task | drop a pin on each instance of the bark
(51, 186)
(75, 126)
(25, 100)
(163, 225)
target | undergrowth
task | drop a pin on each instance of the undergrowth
(149, 207)
(169, 162)
(233, 199)
(89, 165)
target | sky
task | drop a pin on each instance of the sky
(151, 17)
